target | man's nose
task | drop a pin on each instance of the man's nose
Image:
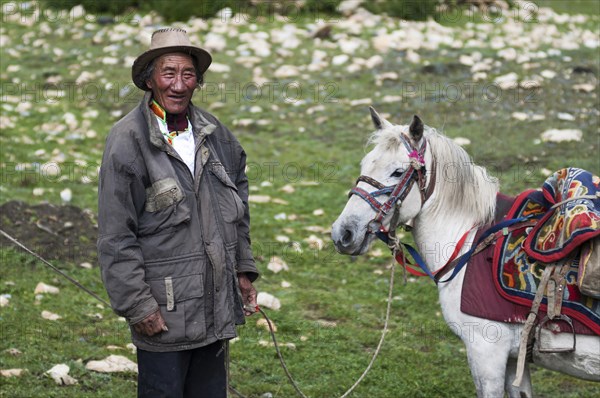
(178, 84)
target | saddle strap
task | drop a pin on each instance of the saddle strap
(556, 286)
(529, 324)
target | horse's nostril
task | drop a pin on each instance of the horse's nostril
(347, 238)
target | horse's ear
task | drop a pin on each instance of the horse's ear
(379, 122)
(416, 128)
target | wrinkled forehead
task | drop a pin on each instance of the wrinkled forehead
(179, 59)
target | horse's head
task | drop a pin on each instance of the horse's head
(393, 179)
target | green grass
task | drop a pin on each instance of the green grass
(319, 155)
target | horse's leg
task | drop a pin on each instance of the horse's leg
(517, 392)
(488, 367)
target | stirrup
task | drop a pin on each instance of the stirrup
(560, 318)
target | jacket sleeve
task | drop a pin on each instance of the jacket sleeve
(245, 259)
(121, 194)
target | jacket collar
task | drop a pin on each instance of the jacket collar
(200, 125)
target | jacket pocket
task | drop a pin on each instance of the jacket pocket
(231, 205)
(178, 287)
(163, 194)
(166, 206)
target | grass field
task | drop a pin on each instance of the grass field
(299, 106)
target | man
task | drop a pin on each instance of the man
(173, 220)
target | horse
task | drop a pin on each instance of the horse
(441, 206)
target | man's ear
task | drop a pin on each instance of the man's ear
(149, 84)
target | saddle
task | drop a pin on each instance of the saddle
(571, 200)
(507, 283)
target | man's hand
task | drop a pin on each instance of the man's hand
(151, 325)
(248, 294)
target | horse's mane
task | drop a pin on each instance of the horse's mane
(461, 186)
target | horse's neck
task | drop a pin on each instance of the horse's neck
(436, 237)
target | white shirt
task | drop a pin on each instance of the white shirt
(183, 143)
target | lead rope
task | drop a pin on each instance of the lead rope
(61, 273)
(375, 354)
(226, 347)
(395, 246)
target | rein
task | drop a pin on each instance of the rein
(397, 193)
(416, 172)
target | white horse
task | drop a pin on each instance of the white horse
(459, 196)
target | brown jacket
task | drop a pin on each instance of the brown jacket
(170, 241)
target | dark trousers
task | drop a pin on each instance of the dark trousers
(197, 373)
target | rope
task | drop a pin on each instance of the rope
(375, 354)
(61, 273)
(271, 330)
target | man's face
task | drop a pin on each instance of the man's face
(173, 82)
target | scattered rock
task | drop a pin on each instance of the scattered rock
(50, 316)
(112, 364)
(277, 265)
(268, 300)
(60, 374)
(262, 323)
(15, 352)
(12, 372)
(555, 135)
(43, 288)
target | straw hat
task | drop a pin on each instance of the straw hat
(165, 41)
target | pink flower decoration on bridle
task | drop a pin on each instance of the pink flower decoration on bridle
(416, 159)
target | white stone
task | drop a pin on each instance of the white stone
(60, 375)
(288, 188)
(66, 195)
(315, 242)
(50, 316)
(548, 74)
(277, 265)
(12, 372)
(507, 81)
(259, 198)
(340, 59)
(43, 288)
(565, 116)
(556, 135)
(348, 7)
(112, 364)
(219, 68)
(282, 239)
(519, 116)
(285, 71)
(584, 87)
(265, 299)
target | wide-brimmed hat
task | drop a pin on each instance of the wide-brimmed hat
(165, 41)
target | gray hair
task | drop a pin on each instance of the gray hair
(149, 70)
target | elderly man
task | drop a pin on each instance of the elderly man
(174, 246)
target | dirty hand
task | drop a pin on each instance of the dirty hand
(151, 325)
(248, 294)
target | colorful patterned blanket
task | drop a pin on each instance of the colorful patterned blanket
(571, 201)
(517, 274)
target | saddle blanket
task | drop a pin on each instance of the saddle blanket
(500, 282)
(571, 205)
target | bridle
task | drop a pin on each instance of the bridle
(416, 172)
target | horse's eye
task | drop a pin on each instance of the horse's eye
(397, 173)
